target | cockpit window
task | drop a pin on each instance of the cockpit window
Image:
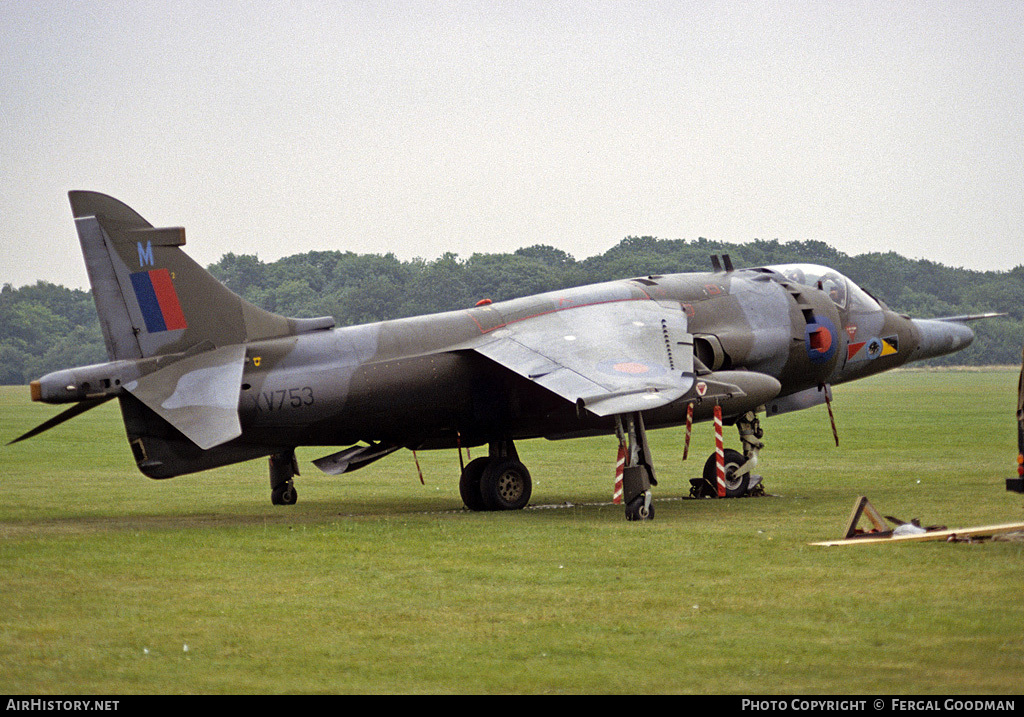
(841, 290)
(861, 300)
(835, 286)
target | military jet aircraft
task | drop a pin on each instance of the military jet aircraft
(206, 379)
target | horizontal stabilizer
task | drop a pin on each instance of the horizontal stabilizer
(78, 409)
(198, 395)
(353, 458)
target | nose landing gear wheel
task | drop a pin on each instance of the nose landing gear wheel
(735, 486)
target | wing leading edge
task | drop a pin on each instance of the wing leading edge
(610, 358)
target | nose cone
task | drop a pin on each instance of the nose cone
(938, 338)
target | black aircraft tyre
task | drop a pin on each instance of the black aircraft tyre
(505, 485)
(284, 495)
(636, 510)
(735, 486)
(469, 483)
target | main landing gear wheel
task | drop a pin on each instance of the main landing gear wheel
(735, 486)
(505, 485)
(469, 484)
(498, 482)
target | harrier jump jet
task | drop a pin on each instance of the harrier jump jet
(206, 379)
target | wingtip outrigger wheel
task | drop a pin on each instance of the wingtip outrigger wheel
(638, 472)
(640, 508)
(283, 466)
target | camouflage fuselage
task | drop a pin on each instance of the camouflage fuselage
(415, 381)
(418, 382)
(205, 378)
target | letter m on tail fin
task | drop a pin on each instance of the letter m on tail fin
(153, 299)
(146, 254)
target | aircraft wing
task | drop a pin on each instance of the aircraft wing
(613, 357)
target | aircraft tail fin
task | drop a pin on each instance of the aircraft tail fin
(152, 298)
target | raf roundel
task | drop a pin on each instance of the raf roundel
(631, 367)
(820, 338)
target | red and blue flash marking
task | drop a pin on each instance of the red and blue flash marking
(158, 301)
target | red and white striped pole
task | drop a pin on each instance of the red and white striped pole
(619, 467)
(458, 441)
(689, 426)
(418, 469)
(719, 452)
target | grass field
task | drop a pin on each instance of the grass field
(375, 583)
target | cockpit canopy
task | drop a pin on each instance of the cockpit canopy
(843, 292)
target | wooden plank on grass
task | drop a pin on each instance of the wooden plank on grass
(931, 535)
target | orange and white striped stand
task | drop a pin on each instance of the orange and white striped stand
(619, 467)
(719, 452)
(689, 427)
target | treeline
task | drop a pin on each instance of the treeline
(45, 327)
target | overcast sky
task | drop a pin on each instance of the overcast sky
(273, 128)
